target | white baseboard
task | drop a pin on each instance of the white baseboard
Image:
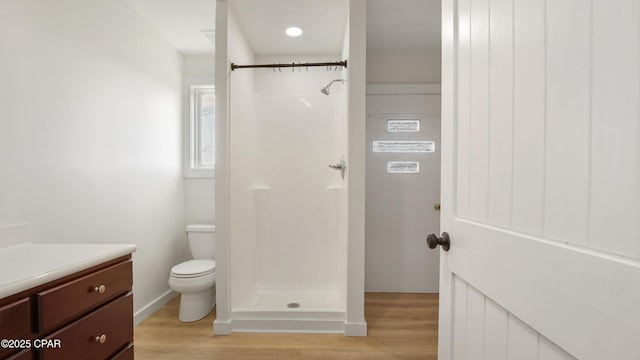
(221, 327)
(153, 306)
(355, 329)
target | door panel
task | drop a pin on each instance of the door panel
(585, 302)
(567, 121)
(494, 333)
(528, 114)
(501, 112)
(615, 214)
(523, 341)
(541, 180)
(400, 207)
(478, 145)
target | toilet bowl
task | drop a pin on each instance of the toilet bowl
(195, 279)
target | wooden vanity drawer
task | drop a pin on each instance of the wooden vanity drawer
(125, 354)
(81, 339)
(15, 323)
(80, 295)
(22, 355)
(15, 320)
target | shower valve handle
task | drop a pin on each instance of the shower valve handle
(342, 166)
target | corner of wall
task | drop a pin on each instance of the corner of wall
(153, 306)
(222, 181)
(357, 158)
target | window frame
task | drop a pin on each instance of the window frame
(191, 128)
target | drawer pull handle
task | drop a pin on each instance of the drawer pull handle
(100, 289)
(101, 339)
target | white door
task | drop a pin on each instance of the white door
(402, 188)
(541, 180)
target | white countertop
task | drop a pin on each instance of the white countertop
(25, 266)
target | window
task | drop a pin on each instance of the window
(201, 131)
(403, 167)
(403, 125)
(403, 146)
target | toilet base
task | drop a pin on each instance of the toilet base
(195, 306)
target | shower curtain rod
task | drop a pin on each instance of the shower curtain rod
(292, 65)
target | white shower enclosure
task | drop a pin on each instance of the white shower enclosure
(290, 236)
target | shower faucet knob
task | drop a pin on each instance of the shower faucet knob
(342, 166)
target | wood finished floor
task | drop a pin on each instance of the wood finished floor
(400, 326)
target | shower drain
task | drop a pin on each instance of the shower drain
(293, 305)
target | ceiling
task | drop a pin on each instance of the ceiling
(392, 25)
(181, 22)
(264, 22)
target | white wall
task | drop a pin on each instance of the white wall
(404, 67)
(198, 191)
(199, 65)
(199, 197)
(90, 131)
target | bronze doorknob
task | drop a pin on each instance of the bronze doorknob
(433, 241)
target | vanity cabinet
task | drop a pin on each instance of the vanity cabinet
(22, 355)
(86, 315)
(15, 318)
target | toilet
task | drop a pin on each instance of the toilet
(195, 279)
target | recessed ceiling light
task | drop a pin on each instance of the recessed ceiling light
(294, 31)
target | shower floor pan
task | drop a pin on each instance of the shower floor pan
(292, 308)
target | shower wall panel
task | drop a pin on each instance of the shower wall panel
(243, 240)
(296, 146)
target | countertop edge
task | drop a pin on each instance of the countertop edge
(114, 251)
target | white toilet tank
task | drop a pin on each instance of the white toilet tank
(202, 240)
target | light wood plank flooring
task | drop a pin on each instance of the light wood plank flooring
(400, 326)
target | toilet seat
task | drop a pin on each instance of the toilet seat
(193, 268)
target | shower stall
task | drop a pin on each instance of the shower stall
(288, 259)
(287, 206)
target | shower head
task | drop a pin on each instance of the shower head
(325, 89)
